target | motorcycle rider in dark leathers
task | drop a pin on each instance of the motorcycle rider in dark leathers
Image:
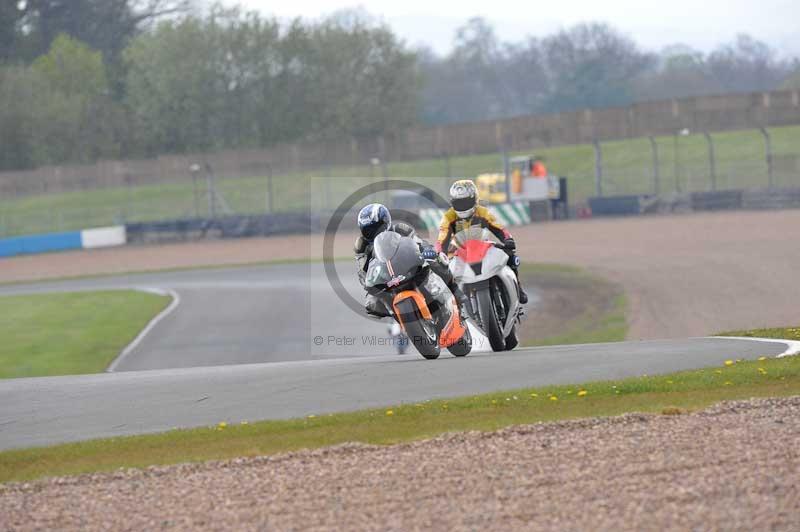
(372, 221)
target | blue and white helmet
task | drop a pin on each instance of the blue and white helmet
(373, 220)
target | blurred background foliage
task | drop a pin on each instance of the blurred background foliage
(83, 80)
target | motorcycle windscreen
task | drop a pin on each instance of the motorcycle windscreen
(399, 254)
(386, 245)
(473, 232)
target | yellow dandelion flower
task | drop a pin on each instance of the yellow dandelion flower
(494, 401)
(553, 398)
(390, 412)
(728, 383)
(312, 416)
(762, 359)
(582, 393)
(222, 425)
(534, 395)
(729, 362)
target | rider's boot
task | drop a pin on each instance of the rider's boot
(523, 296)
(375, 307)
(463, 302)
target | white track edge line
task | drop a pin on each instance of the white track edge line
(176, 300)
(793, 346)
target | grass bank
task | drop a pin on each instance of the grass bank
(672, 394)
(70, 333)
(574, 307)
(781, 333)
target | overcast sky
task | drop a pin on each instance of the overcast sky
(700, 23)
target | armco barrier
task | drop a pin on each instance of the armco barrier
(517, 213)
(90, 238)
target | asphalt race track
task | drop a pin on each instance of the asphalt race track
(47, 410)
(243, 315)
(274, 342)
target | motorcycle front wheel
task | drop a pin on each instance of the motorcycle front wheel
(464, 345)
(421, 333)
(490, 319)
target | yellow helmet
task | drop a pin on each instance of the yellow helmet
(464, 197)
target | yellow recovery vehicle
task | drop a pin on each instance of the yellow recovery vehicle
(492, 186)
(529, 182)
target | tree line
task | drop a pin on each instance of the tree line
(587, 66)
(82, 80)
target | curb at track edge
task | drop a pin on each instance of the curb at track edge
(176, 300)
(792, 346)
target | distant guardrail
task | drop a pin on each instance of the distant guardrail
(713, 200)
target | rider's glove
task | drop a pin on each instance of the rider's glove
(509, 244)
(429, 254)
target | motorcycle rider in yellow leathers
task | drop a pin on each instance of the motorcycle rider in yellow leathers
(465, 211)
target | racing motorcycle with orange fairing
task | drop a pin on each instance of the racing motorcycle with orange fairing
(418, 299)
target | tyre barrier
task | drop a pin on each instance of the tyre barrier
(86, 239)
(223, 227)
(716, 200)
(615, 205)
(771, 198)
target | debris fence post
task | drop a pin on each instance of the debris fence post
(768, 148)
(598, 168)
(712, 162)
(270, 196)
(656, 166)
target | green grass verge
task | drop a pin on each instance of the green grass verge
(627, 170)
(70, 333)
(781, 333)
(669, 394)
(576, 307)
